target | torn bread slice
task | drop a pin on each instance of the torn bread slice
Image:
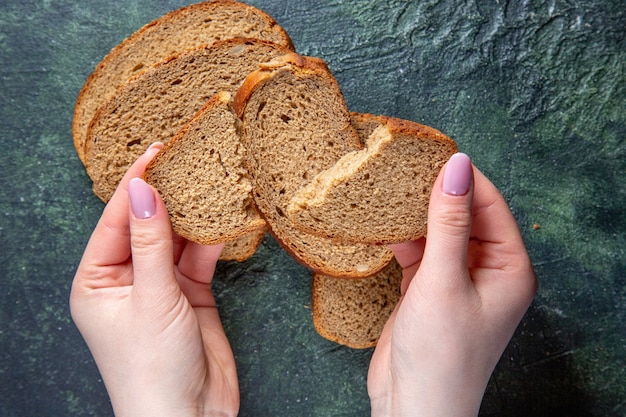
(295, 124)
(201, 177)
(243, 248)
(177, 31)
(353, 312)
(157, 103)
(378, 195)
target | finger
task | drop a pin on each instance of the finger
(408, 253)
(197, 262)
(493, 220)
(196, 269)
(179, 246)
(151, 245)
(110, 241)
(450, 218)
(409, 256)
(497, 246)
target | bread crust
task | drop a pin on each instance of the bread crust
(241, 249)
(267, 70)
(353, 312)
(83, 114)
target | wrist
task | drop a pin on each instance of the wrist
(141, 403)
(455, 396)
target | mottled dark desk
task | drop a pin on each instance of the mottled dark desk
(534, 91)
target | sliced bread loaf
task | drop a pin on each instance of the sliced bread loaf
(202, 180)
(185, 28)
(380, 194)
(295, 124)
(353, 312)
(156, 104)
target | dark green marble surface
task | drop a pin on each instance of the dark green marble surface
(534, 91)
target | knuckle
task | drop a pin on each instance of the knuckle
(454, 217)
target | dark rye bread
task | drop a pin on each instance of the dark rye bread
(177, 31)
(156, 104)
(201, 177)
(378, 195)
(353, 312)
(295, 124)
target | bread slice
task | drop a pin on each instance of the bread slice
(157, 103)
(353, 312)
(202, 180)
(295, 124)
(364, 124)
(179, 30)
(242, 248)
(378, 195)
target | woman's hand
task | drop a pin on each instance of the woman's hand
(142, 300)
(465, 290)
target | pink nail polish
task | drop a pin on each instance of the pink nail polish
(458, 175)
(141, 199)
(155, 145)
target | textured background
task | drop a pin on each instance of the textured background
(534, 91)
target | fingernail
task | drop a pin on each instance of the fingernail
(458, 175)
(155, 145)
(141, 199)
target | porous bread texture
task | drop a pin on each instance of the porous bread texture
(378, 195)
(201, 178)
(243, 248)
(177, 31)
(156, 104)
(364, 124)
(295, 124)
(353, 312)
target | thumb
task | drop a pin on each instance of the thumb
(450, 217)
(151, 244)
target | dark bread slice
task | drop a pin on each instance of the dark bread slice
(242, 248)
(177, 31)
(201, 177)
(353, 312)
(365, 124)
(156, 104)
(380, 194)
(295, 124)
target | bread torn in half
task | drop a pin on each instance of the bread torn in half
(182, 29)
(378, 195)
(157, 103)
(295, 124)
(201, 177)
(353, 312)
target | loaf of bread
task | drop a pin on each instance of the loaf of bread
(201, 177)
(177, 31)
(156, 104)
(242, 248)
(353, 312)
(295, 124)
(378, 195)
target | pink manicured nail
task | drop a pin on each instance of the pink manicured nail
(141, 199)
(155, 145)
(458, 175)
